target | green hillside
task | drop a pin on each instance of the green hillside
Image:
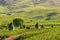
(32, 9)
(30, 19)
(3, 10)
(29, 9)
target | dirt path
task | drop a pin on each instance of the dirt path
(14, 36)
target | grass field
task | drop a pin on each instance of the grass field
(36, 14)
(46, 33)
(41, 34)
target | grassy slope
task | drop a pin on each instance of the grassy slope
(33, 34)
(32, 12)
(42, 34)
(3, 9)
(37, 14)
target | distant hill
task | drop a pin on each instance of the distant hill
(16, 4)
(33, 9)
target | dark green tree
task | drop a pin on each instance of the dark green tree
(18, 22)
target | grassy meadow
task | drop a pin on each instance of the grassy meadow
(36, 14)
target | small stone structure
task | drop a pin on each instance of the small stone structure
(21, 27)
(36, 25)
(52, 26)
(42, 26)
(24, 26)
(27, 27)
(11, 26)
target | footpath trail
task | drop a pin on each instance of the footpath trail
(12, 37)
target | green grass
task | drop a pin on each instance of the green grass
(3, 9)
(42, 34)
(6, 33)
(47, 33)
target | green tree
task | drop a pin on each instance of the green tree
(18, 22)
